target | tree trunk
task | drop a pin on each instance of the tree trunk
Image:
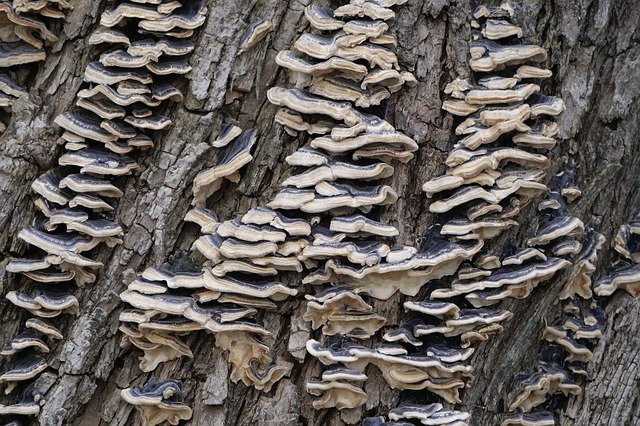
(594, 51)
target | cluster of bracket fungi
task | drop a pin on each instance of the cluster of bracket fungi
(569, 339)
(494, 170)
(323, 221)
(326, 219)
(496, 167)
(563, 355)
(339, 185)
(25, 27)
(237, 279)
(122, 103)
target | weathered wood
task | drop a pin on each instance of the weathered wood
(595, 54)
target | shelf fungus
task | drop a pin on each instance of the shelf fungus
(496, 167)
(25, 369)
(470, 325)
(46, 304)
(234, 283)
(623, 277)
(437, 258)
(426, 414)
(237, 155)
(361, 226)
(27, 29)
(339, 310)
(126, 93)
(536, 417)
(627, 240)
(507, 281)
(28, 405)
(491, 172)
(158, 402)
(401, 370)
(346, 64)
(567, 340)
(580, 283)
(25, 340)
(531, 390)
(44, 327)
(625, 272)
(335, 389)
(254, 34)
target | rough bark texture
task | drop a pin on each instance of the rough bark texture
(594, 51)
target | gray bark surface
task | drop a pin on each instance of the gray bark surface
(594, 51)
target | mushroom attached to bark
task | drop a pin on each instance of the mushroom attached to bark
(436, 259)
(238, 154)
(228, 132)
(157, 343)
(334, 391)
(19, 53)
(100, 74)
(429, 414)
(267, 216)
(44, 327)
(25, 340)
(334, 170)
(158, 402)
(254, 34)
(487, 55)
(535, 417)
(341, 311)
(28, 405)
(25, 369)
(321, 18)
(367, 9)
(560, 226)
(627, 240)
(84, 124)
(46, 304)
(98, 161)
(357, 225)
(579, 283)
(625, 277)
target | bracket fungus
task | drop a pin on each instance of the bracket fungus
(499, 109)
(536, 417)
(342, 311)
(157, 402)
(238, 154)
(26, 368)
(424, 370)
(237, 279)
(327, 220)
(335, 390)
(496, 167)
(25, 340)
(28, 405)
(28, 29)
(625, 272)
(427, 414)
(126, 92)
(569, 338)
(254, 34)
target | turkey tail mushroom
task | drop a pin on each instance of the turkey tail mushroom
(157, 402)
(28, 32)
(126, 93)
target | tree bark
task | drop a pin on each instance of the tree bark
(594, 51)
